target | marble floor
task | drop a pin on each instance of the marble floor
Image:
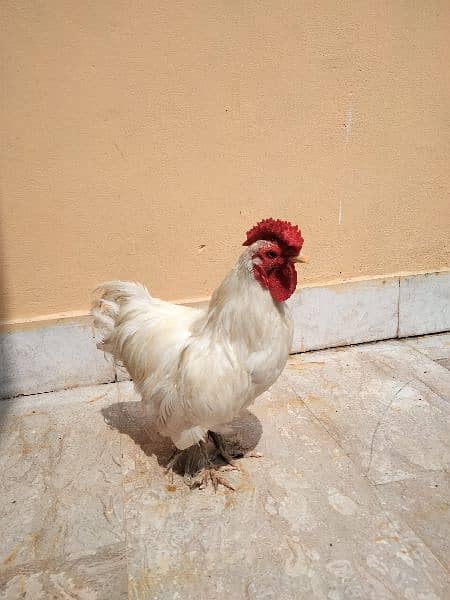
(350, 500)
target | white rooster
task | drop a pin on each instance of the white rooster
(196, 369)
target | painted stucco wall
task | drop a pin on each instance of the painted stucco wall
(141, 139)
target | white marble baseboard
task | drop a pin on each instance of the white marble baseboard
(64, 355)
(52, 358)
(424, 305)
(345, 313)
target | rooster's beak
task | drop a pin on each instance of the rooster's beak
(300, 259)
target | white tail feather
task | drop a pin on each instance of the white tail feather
(106, 308)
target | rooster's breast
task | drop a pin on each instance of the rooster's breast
(266, 363)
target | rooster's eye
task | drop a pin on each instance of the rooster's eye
(271, 254)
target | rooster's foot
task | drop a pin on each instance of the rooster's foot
(253, 454)
(211, 474)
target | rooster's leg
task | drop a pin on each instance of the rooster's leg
(223, 452)
(227, 457)
(174, 457)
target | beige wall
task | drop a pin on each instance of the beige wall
(141, 139)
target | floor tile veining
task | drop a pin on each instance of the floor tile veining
(351, 498)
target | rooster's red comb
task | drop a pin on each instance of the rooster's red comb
(289, 236)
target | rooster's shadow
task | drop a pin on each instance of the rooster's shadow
(128, 418)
